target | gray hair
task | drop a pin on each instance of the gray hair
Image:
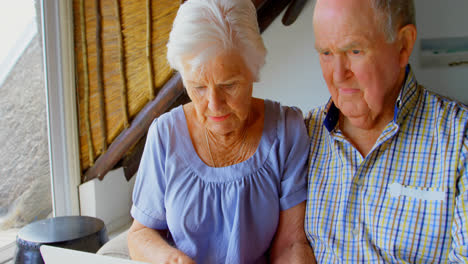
(203, 29)
(394, 14)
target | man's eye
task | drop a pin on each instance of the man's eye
(326, 53)
(356, 51)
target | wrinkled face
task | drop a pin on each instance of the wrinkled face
(221, 93)
(361, 69)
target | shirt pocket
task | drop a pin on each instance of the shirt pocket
(411, 222)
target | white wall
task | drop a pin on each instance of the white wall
(292, 73)
(435, 19)
(109, 200)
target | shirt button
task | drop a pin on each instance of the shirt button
(360, 182)
(355, 232)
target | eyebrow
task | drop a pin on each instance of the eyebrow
(351, 45)
(346, 47)
(318, 49)
(231, 79)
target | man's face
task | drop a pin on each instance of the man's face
(361, 69)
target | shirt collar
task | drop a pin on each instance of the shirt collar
(405, 101)
(332, 114)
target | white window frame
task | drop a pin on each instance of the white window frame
(62, 117)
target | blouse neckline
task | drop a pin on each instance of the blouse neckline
(236, 171)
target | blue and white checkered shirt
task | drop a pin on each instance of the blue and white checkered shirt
(407, 200)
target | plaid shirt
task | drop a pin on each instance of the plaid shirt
(407, 200)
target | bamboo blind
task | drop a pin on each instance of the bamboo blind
(120, 53)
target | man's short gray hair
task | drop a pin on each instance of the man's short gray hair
(203, 29)
(393, 15)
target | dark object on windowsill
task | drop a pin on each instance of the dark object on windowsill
(82, 233)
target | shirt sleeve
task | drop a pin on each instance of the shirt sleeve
(459, 249)
(148, 193)
(295, 149)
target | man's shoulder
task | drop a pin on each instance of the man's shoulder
(445, 107)
(315, 118)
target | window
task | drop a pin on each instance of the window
(25, 193)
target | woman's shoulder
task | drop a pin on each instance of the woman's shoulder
(167, 123)
(284, 115)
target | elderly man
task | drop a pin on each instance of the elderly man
(388, 177)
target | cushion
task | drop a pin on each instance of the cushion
(116, 247)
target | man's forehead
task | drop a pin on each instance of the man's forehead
(352, 10)
(333, 25)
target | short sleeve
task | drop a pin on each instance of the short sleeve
(295, 151)
(148, 193)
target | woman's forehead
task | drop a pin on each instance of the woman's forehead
(221, 68)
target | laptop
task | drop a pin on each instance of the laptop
(56, 255)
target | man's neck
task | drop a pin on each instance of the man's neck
(363, 138)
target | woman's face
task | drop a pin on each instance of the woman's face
(221, 92)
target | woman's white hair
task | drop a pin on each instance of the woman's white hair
(203, 29)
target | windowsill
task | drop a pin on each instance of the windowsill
(7, 252)
(7, 237)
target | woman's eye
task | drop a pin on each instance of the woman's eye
(228, 85)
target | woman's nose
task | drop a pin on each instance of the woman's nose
(215, 99)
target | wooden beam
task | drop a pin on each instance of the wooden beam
(140, 124)
(293, 11)
(259, 3)
(131, 161)
(269, 11)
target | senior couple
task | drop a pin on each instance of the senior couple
(379, 174)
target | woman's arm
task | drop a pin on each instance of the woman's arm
(148, 245)
(290, 244)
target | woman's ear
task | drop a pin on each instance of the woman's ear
(407, 38)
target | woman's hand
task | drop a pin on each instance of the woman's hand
(290, 244)
(178, 258)
(181, 259)
(148, 245)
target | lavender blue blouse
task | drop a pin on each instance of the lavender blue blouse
(228, 214)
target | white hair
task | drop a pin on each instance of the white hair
(203, 29)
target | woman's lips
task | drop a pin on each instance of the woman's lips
(219, 118)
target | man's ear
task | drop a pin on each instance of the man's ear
(407, 38)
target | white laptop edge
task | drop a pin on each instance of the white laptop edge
(57, 255)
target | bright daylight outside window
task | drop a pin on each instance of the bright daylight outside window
(24, 162)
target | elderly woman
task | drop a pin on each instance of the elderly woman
(222, 178)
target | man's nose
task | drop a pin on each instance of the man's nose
(341, 71)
